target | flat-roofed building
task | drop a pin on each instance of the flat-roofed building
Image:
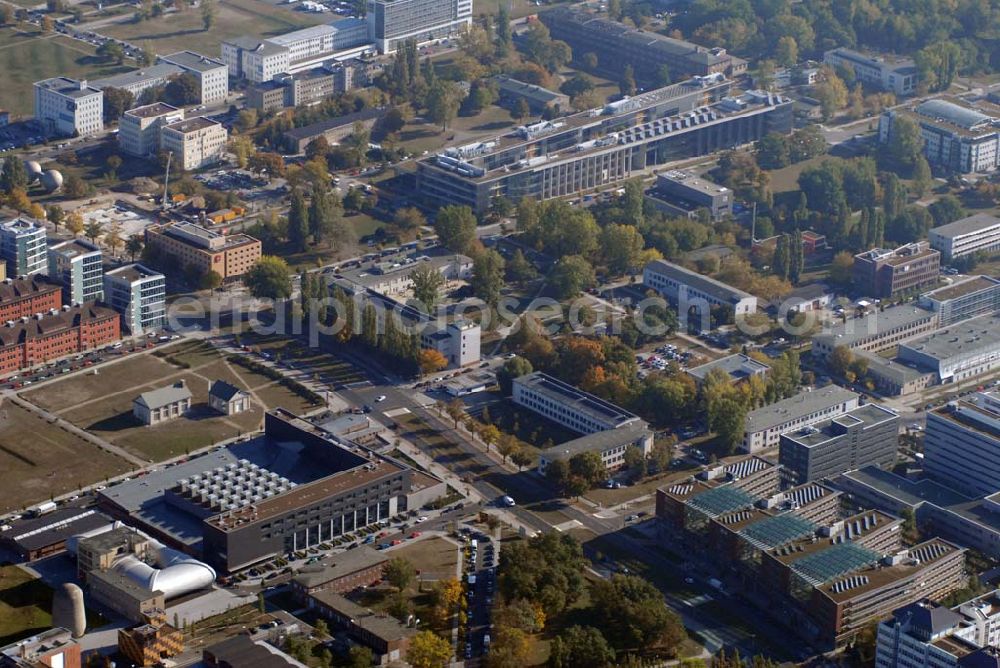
(888, 273)
(974, 296)
(765, 426)
(738, 367)
(139, 81)
(315, 44)
(54, 648)
(24, 247)
(458, 341)
(69, 107)
(885, 71)
(962, 444)
(896, 377)
(342, 573)
(964, 350)
(230, 256)
(78, 265)
(979, 232)
(333, 130)
(195, 142)
(24, 297)
(212, 75)
(876, 330)
(394, 276)
(867, 435)
(139, 128)
(392, 22)
(687, 289)
(254, 59)
(139, 294)
(241, 650)
(537, 98)
(566, 405)
(42, 536)
(151, 641)
(610, 444)
(957, 136)
(123, 595)
(680, 193)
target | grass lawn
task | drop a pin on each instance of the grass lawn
(786, 179)
(184, 30)
(39, 459)
(613, 497)
(26, 57)
(433, 558)
(26, 606)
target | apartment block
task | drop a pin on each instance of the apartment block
(195, 142)
(230, 256)
(958, 136)
(885, 72)
(21, 297)
(212, 75)
(69, 107)
(974, 296)
(765, 426)
(688, 289)
(139, 81)
(888, 273)
(23, 246)
(392, 22)
(978, 233)
(139, 129)
(78, 265)
(458, 341)
(679, 193)
(139, 295)
(47, 336)
(566, 405)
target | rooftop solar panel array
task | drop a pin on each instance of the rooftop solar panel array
(821, 567)
(779, 530)
(721, 500)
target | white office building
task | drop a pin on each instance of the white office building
(886, 72)
(571, 407)
(956, 353)
(139, 294)
(139, 129)
(69, 107)
(78, 266)
(686, 289)
(255, 59)
(139, 81)
(978, 232)
(928, 635)
(212, 75)
(23, 246)
(610, 444)
(765, 426)
(957, 137)
(195, 142)
(458, 341)
(962, 444)
(392, 22)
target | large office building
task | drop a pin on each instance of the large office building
(24, 297)
(78, 266)
(195, 142)
(680, 193)
(958, 137)
(927, 634)
(616, 44)
(962, 444)
(888, 273)
(254, 59)
(978, 233)
(566, 405)
(687, 289)
(765, 425)
(974, 296)
(230, 256)
(212, 75)
(876, 330)
(964, 350)
(139, 81)
(47, 336)
(392, 22)
(139, 129)
(867, 435)
(885, 72)
(139, 294)
(68, 107)
(601, 147)
(23, 246)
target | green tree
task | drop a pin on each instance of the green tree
(13, 175)
(520, 109)
(116, 102)
(428, 650)
(406, 222)
(269, 278)
(905, 146)
(946, 210)
(728, 422)
(589, 466)
(298, 221)
(93, 229)
(627, 84)
(55, 215)
(772, 151)
(513, 368)
(427, 282)
(580, 647)
(399, 572)
(633, 201)
(922, 178)
(208, 13)
(572, 275)
(112, 50)
(634, 615)
(519, 269)
(621, 246)
(787, 51)
(488, 276)
(359, 657)
(443, 101)
(456, 227)
(504, 35)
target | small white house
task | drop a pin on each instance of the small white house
(228, 399)
(162, 404)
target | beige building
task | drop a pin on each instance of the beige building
(160, 405)
(228, 399)
(117, 592)
(230, 256)
(195, 142)
(139, 128)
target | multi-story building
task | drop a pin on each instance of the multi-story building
(340, 574)
(268, 95)
(679, 193)
(602, 147)
(964, 350)
(765, 426)
(537, 98)
(886, 72)
(24, 297)
(977, 295)
(888, 273)
(54, 648)
(867, 435)
(195, 142)
(957, 136)
(48, 336)
(979, 232)
(139, 294)
(926, 634)
(230, 256)
(292, 90)
(394, 277)
(616, 44)
(876, 330)
(610, 444)
(962, 444)
(689, 290)
(566, 405)
(147, 644)
(254, 59)
(458, 341)
(23, 246)
(392, 22)
(139, 129)
(212, 75)
(69, 107)
(78, 265)
(387, 637)
(116, 591)
(139, 81)
(738, 367)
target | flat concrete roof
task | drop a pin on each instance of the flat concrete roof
(67, 87)
(737, 366)
(581, 401)
(152, 110)
(133, 272)
(192, 124)
(341, 565)
(151, 73)
(54, 527)
(867, 416)
(968, 225)
(190, 60)
(802, 404)
(873, 323)
(962, 338)
(962, 288)
(700, 282)
(596, 442)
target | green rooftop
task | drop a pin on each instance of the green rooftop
(831, 563)
(779, 530)
(721, 500)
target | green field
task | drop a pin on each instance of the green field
(184, 30)
(29, 57)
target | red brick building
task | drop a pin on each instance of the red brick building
(37, 339)
(21, 297)
(346, 572)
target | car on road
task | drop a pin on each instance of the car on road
(415, 534)
(421, 519)
(507, 501)
(384, 546)
(380, 398)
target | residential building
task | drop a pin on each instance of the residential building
(241, 650)
(689, 290)
(54, 648)
(458, 341)
(888, 273)
(165, 403)
(24, 297)
(342, 573)
(680, 193)
(23, 246)
(139, 81)
(978, 233)
(148, 644)
(212, 75)
(964, 350)
(184, 244)
(392, 22)
(566, 405)
(384, 635)
(738, 367)
(764, 426)
(139, 129)
(195, 142)
(867, 435)
(599, 148)
(228, 399)
(962, 444)
(254, 59)
(78, 265)
(876, 330)
(139, 295)
(957, 136)
(885, 72)
(47, 336)
(649, 53)
(69, 107)
(333, 130)
(974, 296)
(610, 444)
(537, 98)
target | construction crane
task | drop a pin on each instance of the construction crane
(166, 180)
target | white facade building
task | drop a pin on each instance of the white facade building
(979, 232)
(571, 407)
(141, 80)
(391, 22)
(23, 246)
(139, 294)
(212, 75)
(139, 128)
(929, 635)
(685, 289)
(258, 60)
(195, 142)
(69, 107)
(458, 341)
(897, 75)
(957, 137)
(77, 264)
(765, 426)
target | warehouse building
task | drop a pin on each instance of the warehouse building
(765, 425)
(888, 273)
(690, 291)
(978, 233)
(975, 296)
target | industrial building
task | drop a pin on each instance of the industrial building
(139, 294)
(867, 435)
(341, 573)
(23, 246)
(162, 404)
(889, 273)
(139, 129)
(184, 244)
(974, 296)
(738, 367)
(47, 336)
(885, 72)
(927, 634)
(538, 99)
(978, 233)
(610, 444)
(958, 137)
(392, 22)
(615, 44)
(764, 426)
(688, 290)
(69, 107)
(679, 193)
(602, 147)
(195, 142)
(876, 330)
(566, 405)
(78, 265)
(212, 75)
(24, 297)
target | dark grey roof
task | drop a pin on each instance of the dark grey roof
(928, 617)
(985, 657)
(346, 563)
(240, 650)
(163, 396)
(224, 390)
(54, 527)
(693, 279)
(317, 129)
(598, 441)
